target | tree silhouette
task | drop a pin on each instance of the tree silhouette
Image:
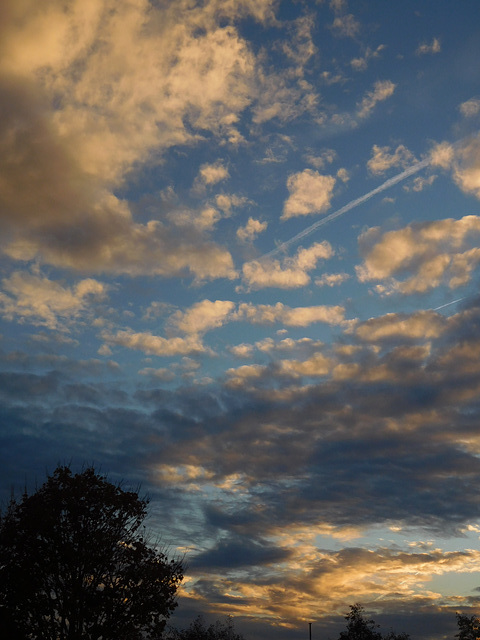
(468, 627)
(75, 564)
(361, 628)
(198, 630)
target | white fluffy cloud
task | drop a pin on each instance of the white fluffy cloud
(166, 72)
(317, 365)
(466, 166)
(153, 345)
(202, 316)
(210, 174)
(310, 192)
(289, 273)
(463, 159)
(424, 254)
(421, 325)
(382, 159)
(251, 230)
(291, 317)
(33, 298)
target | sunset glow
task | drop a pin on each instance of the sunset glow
(240, 256)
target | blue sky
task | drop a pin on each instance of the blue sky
(239, 251)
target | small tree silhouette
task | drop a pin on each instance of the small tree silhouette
(361, 628)
(198, 630)
(74, 564)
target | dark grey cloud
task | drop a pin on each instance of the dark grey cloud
(238, 551)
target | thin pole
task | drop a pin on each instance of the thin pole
(310, 630)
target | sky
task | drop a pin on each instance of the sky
(240, 255)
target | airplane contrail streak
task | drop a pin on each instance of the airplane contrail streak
(351, 205)
(447, 304)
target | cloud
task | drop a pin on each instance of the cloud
(33, 298)
(466, 166)
(470, 108)
(244, 374)
(114, 244)
(338, 6)
(290, 273)
(432, 48)
(210, 174)
(361, 64)
(167, 73)
(383, 89)
(343, 175)
(291, 317)
(284, 97)
(194, 322)
(202, 316)
(226, 202)
(442, 155)
(242, 350)
(203, 220)
(320, 159)
(331, 279)
(420, 183)
(382, 160)
(155, 345)
(300, 47)
(213, 173)
(463, 159)
(345, 26)
(251, 230)
(238, 551)
(310, 192)
(428, 254)
(163, 374)
(423, 325)
(317, 365)
(301, 347)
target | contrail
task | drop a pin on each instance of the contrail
(442, 306)
(351, 205)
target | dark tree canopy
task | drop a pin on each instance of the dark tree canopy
(358, 626)
(198, 630)
(468, 627)
(361, 628)
(75, 564)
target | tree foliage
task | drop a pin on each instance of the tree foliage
(361, 628)
(358, 626)
(468, 627)
(198, 630)
(75, 564)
